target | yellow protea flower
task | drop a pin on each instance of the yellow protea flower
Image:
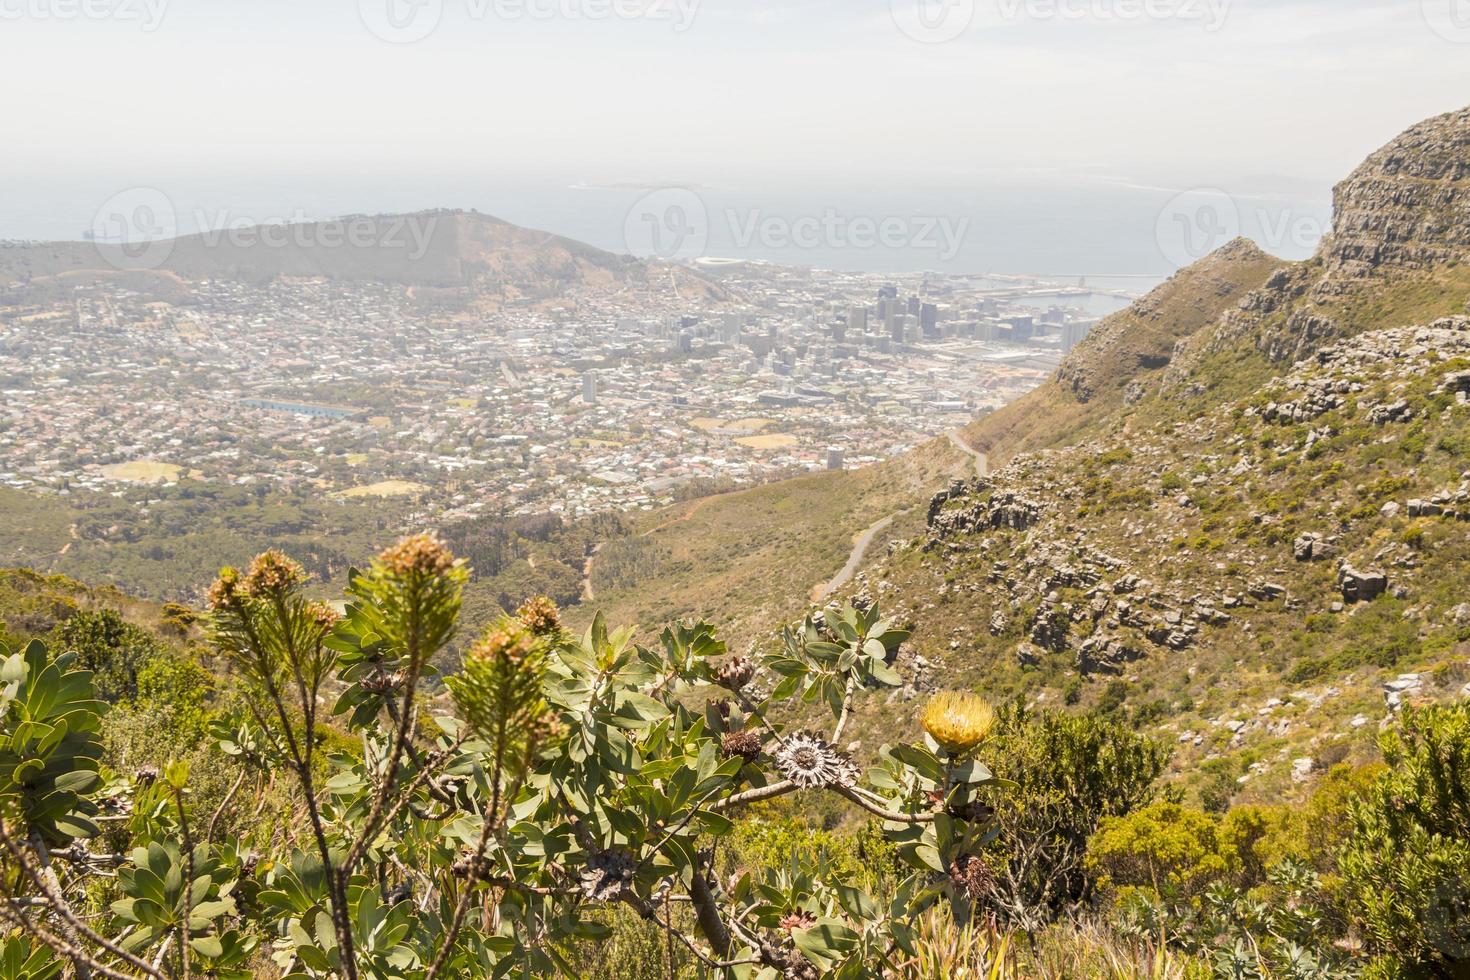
(958, 722)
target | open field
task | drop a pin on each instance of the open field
(386, 488)
(732, 427)
(143, 471)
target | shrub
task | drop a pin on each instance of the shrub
(113, 649)
(574, 778)
(1070, 773)
(1407, 860)
(1173, 851)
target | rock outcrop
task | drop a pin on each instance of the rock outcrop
(1408, 205)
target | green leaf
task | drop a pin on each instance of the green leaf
(209, 946)
(827, 943)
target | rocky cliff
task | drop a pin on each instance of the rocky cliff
(1408, 206)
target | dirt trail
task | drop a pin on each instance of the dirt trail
(982, 461)
(859, 551)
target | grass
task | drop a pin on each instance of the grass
(748, 560)
(738, 426)
(143, 471)
(385, 488)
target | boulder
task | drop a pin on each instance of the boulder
(1312, 547)
(1361, 586)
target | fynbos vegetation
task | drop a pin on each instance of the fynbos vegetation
(485, 834)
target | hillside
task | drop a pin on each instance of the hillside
(753, 559)
(432, 249)
(1395, 256)
(1259, 549)
(1126, 355)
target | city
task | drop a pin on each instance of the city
(626, 400)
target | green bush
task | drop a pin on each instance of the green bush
(1171, 850)
(1407, 861)
(113, 649)
(498, 832)
(1070, 773)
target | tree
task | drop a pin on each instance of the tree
(113, 649)
(572, 776)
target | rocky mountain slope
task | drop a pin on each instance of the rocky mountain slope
(1395, 256)
(1241, 512)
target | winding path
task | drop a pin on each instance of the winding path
(864, 541)
(859, 551)
(982, 461)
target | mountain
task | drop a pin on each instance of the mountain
(443, 249)
(1127, 353)
(1395, 256)
(1238, 512)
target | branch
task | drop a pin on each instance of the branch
(44, 878)
(893, 816)
(753, 796)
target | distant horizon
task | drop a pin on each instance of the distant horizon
(1033, 226)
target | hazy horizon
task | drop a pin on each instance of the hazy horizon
(1059, 133)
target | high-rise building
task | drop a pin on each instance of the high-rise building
(589, 387)
(929, 319)
(836, 458)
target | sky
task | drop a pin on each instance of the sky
(387, 104)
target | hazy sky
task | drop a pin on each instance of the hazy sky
(780, 93)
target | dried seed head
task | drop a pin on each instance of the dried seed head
(735, 673)
(958, 722)
(418, 554)
(746, 744)
(972, 877)
(606, 875)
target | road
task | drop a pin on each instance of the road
(860, 547)
(865, 540)
(859, 551)
(982, 461)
